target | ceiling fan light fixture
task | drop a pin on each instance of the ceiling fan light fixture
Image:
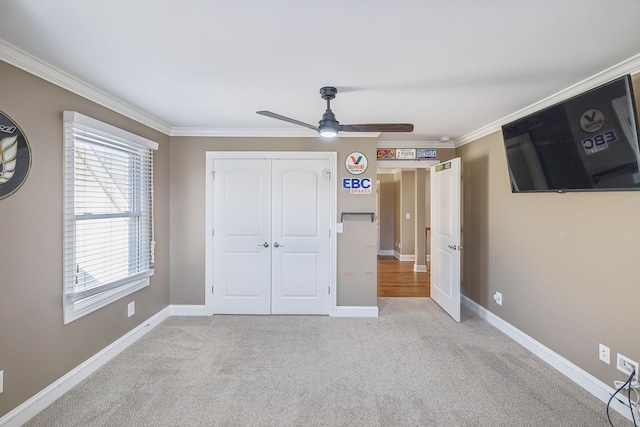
(328, 131)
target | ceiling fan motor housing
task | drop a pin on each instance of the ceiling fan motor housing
(328, 92)
(328, 119)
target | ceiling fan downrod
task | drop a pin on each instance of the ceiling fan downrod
(328, 126)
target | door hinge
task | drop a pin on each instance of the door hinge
(213, 232)
(213, 174)
(211, 288)
(329, 290)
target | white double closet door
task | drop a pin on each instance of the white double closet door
(271, 243)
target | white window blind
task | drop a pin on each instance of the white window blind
(108, 214)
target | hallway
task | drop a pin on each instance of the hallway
(397, 279)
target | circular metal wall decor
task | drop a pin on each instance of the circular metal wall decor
(15, 157)
(356, 163)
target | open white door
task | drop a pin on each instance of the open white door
(445, 236)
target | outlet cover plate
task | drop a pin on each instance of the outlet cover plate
(621, 360)
(604, 354)
(498, 298)
(1, 381)
(131, 309)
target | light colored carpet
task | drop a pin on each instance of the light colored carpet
(412, 366)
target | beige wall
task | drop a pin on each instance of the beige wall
(407, 206)
(188, 215)
(427, 200)
(397, 212)
(35, 348)
(566, 264)
(420, 194)
(387, 211)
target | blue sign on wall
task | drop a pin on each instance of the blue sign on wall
(357, 185)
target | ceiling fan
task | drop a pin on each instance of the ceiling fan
(329, 127)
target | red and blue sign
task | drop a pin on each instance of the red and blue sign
(356, 163)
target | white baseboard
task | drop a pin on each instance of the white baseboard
(419, 268)
(388, 252)
(47, 396)
(188, 310)
(355, 311)
(404, 257)
(573, 372)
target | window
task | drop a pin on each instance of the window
(108, 214)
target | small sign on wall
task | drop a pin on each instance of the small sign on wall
(443, 167)
(405, 153)
(357, 185)
(426, 153)
(356, 163)
(386, 153)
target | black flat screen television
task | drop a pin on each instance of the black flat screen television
(586, 143)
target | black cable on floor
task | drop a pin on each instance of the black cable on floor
(616, 392)
(633, 374)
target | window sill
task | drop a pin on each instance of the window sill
(74, 310)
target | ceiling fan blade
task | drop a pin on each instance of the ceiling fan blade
(380, 127)
(286, 119)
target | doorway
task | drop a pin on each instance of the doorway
(402, 214)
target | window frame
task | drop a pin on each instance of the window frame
(80, 302)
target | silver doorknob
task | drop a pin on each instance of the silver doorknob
(278, 245)
(265, 244)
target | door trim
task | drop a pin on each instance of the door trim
(252, 155)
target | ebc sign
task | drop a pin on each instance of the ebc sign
(357, 185)
(356, 163)
(598, 142)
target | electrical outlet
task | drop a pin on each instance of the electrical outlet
(604, 354)
(626, 365)
(131, 309)
(498, 298)
(1, 381)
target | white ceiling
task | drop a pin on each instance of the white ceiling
(205, 67)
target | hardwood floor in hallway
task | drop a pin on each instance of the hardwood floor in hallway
(397, 279)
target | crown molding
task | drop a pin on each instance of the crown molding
(628, 66)
(29, 63)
